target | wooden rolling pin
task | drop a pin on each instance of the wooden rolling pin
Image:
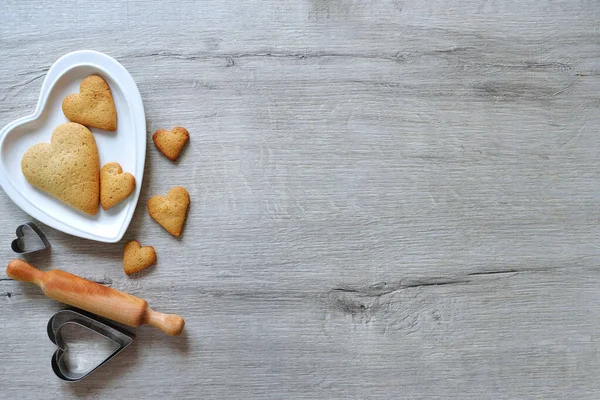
(95, 298)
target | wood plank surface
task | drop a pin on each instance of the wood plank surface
(390, 199)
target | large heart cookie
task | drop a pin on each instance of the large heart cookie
(170, 211)
(170, 143)
(67, 167)
(136, 257)
(93, 105)
(115, 185)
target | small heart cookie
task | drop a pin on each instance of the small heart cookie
(170, 143)
(115, 185)
(170, 211)
(67, 167)
(136, 257)
(93, 105)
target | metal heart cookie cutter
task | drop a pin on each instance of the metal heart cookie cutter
(81, 319)
(21, 246)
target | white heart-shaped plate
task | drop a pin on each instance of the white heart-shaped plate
(127, 146)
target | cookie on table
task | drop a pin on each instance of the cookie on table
(170, 143)
(67, 167)
(170, 210)
(115, 185)
(93, 106)
(136, 257)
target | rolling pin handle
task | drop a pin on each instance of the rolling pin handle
(170, 324)
(21, 271)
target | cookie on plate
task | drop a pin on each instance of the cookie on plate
(115, 185)
(67, 167)
(136, 257)
(170, 143)
(93, 106)
(170, 211)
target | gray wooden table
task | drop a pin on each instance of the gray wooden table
(390, 199)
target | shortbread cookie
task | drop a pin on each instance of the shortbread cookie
(170, 211)
(93, 105)
(136, 257)
(115, 185)
(67, 167)
(171, 142)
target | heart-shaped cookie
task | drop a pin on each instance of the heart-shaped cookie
(170, 211)
(67, 167)
(93, 105)
(136, 257)
(115, 185)
(170, 143)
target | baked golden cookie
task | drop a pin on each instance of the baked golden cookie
(115, 185)
(170, 143)
(93, 105)
(136, 257)
(67, 167)
(170, 211)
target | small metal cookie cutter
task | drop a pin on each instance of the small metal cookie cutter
(18, 245)
(118, 335)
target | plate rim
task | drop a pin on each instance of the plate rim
(113, 69)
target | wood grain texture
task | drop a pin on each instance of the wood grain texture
(390, 199)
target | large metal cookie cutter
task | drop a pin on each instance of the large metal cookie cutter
(121, 337)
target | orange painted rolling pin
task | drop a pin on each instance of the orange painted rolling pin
(95, 298)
